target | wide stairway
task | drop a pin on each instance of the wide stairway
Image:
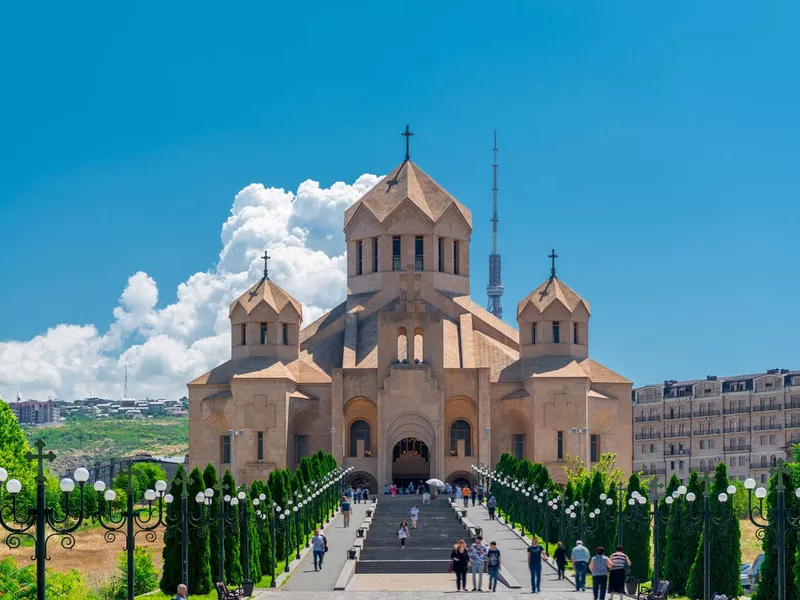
(427, 550)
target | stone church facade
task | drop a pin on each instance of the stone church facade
(408, 378)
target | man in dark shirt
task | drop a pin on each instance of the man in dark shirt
(346, 511)
(535, 551)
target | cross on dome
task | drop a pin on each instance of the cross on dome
(266, 257)
(407, 134)
(553, 256)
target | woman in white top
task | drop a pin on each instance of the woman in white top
(414, 516)
(403, 533)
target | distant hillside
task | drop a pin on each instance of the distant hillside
(82, 442)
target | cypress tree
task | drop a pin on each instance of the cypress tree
(171, 553)
(264, 540)
(279, 497)
(768, 585)
(596, 488)
(200, 582)
(636, 530)
(233, 565)
(210, 481)
(725, 546)
(253, 539)
(682, 539)
(664, 511)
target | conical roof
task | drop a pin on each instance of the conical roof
(267, 291)
(553, 289)
(407, 182)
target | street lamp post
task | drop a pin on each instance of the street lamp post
(41, 516)
(581, 432)
(132, 519)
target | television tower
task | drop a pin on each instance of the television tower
(495, 289)
(125, 387)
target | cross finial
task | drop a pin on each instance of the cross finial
(553, 256)
(266, 257)
(407, 134)
(183, 480)
(40, 457)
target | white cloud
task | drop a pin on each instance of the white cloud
(167, 346)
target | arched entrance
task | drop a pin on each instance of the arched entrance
(411, 462)
(361, 479)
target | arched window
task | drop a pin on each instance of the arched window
(652, 468)
(764, 461)
(644, 469)
(702, 466)
(359, 430)
(402, 344)
(461, 430)
(418, 345)
(774, 461)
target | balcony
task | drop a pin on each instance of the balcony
(759, 466)
(647, 436)
(743, 429)
(676, 434)
(737, 448)
(792, 405)
(767, 427)
(707, 431)
(767, 408)
(677, 416)
(707, 413)
(680, 452)
(793, 425)
(647, 419)
(738, 411)
(661, 471)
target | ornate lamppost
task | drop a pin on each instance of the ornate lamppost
(34, 523)
(132, 519)
(584, 522)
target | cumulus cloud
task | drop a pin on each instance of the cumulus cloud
(166, 346)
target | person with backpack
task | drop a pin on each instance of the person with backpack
(493, 562)
(491, 505)
(403, 533)
(346, 510)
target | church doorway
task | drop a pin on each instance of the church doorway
(411, 462)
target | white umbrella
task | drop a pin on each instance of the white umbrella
(435, 482)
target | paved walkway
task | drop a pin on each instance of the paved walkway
(340, 540)
(514, 553)
(416, 595)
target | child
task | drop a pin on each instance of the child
(414, 516)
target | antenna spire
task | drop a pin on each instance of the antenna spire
(495, 289)
(125, 387)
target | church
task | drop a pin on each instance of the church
(408, 378)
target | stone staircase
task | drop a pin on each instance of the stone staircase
(427, 550)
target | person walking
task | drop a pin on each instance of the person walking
(477, 556)
(491, 505)
(365, 494)
(183, 593)
(479, 489)
(403, 533)
(493, 562)
(459, 558)
(561, 559)
(535, 551)
(457, 492)
(318, 548)
(580, 563)
(393, 490)
(599, 569)
(346, 511)
(357, 495)
(414, 516)
(465, 493)
(618, 563)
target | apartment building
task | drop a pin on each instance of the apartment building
(749, 421)
(33, 412)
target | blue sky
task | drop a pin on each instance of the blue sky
(654, 145)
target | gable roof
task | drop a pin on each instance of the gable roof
(267, 291)
(548, 292)
(407, 182)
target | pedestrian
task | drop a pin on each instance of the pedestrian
(493, 561)
(535, 551)
(457, 492)
(414, 516)
(385, 489)
(465, 493)
(346, 511)
(393, 490)
(318, 548)
(183, 593)
(403, 533)
(599, 569)
(357, 495)
(480, 494)
(619, 562)
(421, 488)
(459, 559)
(365, 493)
(477, 556)
(561, 559)
(580, 563)
(491, 505)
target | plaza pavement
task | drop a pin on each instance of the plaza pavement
(410, 595)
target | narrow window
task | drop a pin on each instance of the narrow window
(519, 446)
(300, 447)
(574, 333)
(244, 334)
(441, 254)
(285, 334)
(594, 448)
(396, 247)
(455, 257)
(260, 445)
(419, 248)
(533, 333)
(225, 449)
(360, 257)
(263, 333)
(560, 445)
(374, 255)
(461, 430)
(556, 332)
(402, 345)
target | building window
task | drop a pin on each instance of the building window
(455, 257)
(402, 344)
(702, 444)
(263, 334)
(440, 242)
(260, 449)
(374, 255)
(419, 250)
(359, 257)
(560, 445)
(461, 430)
(594, 448)
(244, 334)
(359, 430)
(652, 448)
(225, 449)
(712, 444)
(396, 248)
(574, 333)
(556, 332)
(285, 334)
(519, 445)
(533, 333)
(772, 439)
(300, 447)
